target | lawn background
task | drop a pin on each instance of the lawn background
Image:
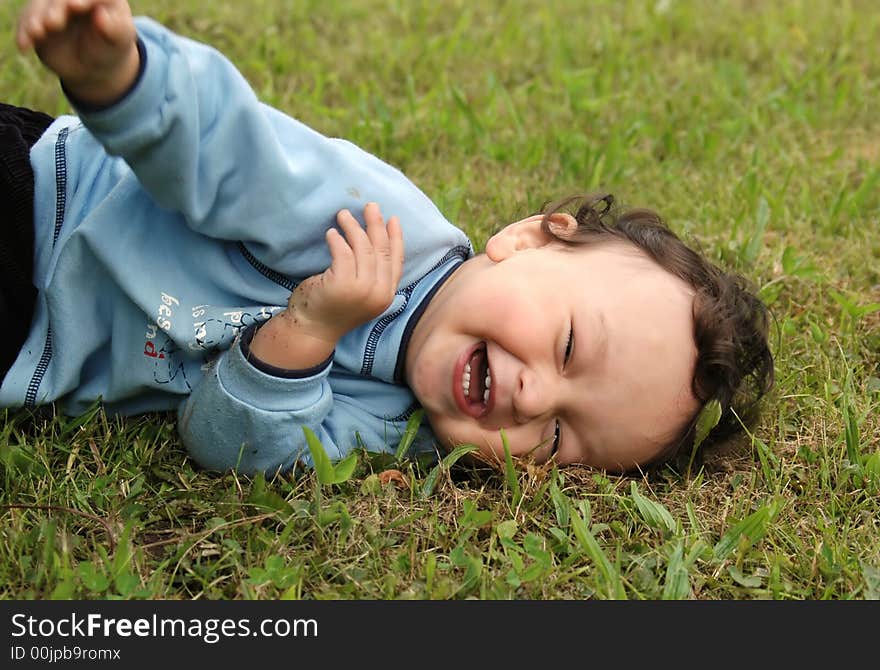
(751, 126)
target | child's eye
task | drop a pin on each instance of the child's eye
(568, 346)
(557, 438)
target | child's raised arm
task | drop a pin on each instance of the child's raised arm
(201, 144)
(90, 44)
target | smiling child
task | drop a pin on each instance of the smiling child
(197, 250)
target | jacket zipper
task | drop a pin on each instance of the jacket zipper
(30, 398)
(460, 251)
(265, 270)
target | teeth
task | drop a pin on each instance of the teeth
(466, 382)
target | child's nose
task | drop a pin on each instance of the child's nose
(532, 399)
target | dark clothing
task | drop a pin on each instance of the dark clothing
(19, 130)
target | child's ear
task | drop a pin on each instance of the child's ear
(528, 234)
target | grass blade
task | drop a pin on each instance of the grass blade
(653, 513)
(677, 585)
(510, 474)
(448, 461)
(322, 464)
(409, 433)
(752, 528)
(607, 570)
(325, 470)
(708, 418)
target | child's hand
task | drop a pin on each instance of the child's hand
(358, 286)
(89, 44)
(361, 281)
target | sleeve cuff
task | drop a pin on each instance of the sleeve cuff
(113, 124)
(247, 337)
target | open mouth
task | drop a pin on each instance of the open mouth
(474, 391)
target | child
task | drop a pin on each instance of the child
(185, 257)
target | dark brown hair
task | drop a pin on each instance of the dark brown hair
(734, 363)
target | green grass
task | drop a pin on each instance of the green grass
(752, 127)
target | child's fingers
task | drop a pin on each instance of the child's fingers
(342, 261)
(113, 21)
(106, 21)
(395, 240)
(31, 28)
(377, 231)
(55, 15)
(42, 17)
(387, 265)
(366, 264)
(360, 244)
(71, 7)
(373, 216)
(387, 239)
(81, 5)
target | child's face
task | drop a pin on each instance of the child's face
(625, 389)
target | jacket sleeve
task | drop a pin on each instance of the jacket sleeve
(201, 144)
(239, 417)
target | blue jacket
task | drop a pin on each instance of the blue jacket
(171, 221)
